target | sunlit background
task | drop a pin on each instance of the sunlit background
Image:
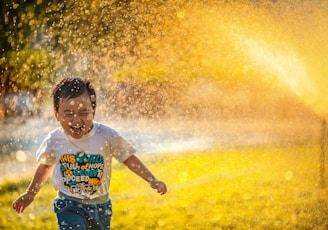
(171, 76)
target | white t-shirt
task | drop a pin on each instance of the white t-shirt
(83, 166)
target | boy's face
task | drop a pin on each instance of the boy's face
(76, 115)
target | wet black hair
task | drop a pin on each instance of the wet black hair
(71, 88)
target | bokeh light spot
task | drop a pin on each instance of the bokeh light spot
(289, 175)
(21, 156)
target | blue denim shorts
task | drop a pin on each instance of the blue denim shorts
(72, 214)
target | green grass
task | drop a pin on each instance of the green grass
(249, 188)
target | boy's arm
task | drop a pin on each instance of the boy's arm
(41, 175)
(135, 165)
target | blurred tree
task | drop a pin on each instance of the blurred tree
(25, 64)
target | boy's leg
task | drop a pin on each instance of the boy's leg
(69, 215)
(100, 215)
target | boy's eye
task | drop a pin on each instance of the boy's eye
(80, 114)
(69, 114)
(84, 114)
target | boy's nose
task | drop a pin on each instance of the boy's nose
(76, 118)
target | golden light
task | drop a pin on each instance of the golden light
(273, 42)
(287, 67)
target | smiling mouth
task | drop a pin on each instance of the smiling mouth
(77, 129)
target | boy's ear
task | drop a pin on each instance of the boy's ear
(56, 115)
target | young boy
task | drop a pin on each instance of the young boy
(79, 155)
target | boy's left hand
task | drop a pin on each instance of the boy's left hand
(160, 186)
(22, 202)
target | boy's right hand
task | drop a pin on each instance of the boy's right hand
(23, 201)
(160, 186)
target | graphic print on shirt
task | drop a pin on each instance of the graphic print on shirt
(82, 172)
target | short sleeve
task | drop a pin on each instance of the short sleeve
(45, 155)
(120, 148)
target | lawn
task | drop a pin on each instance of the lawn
(241, 188)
